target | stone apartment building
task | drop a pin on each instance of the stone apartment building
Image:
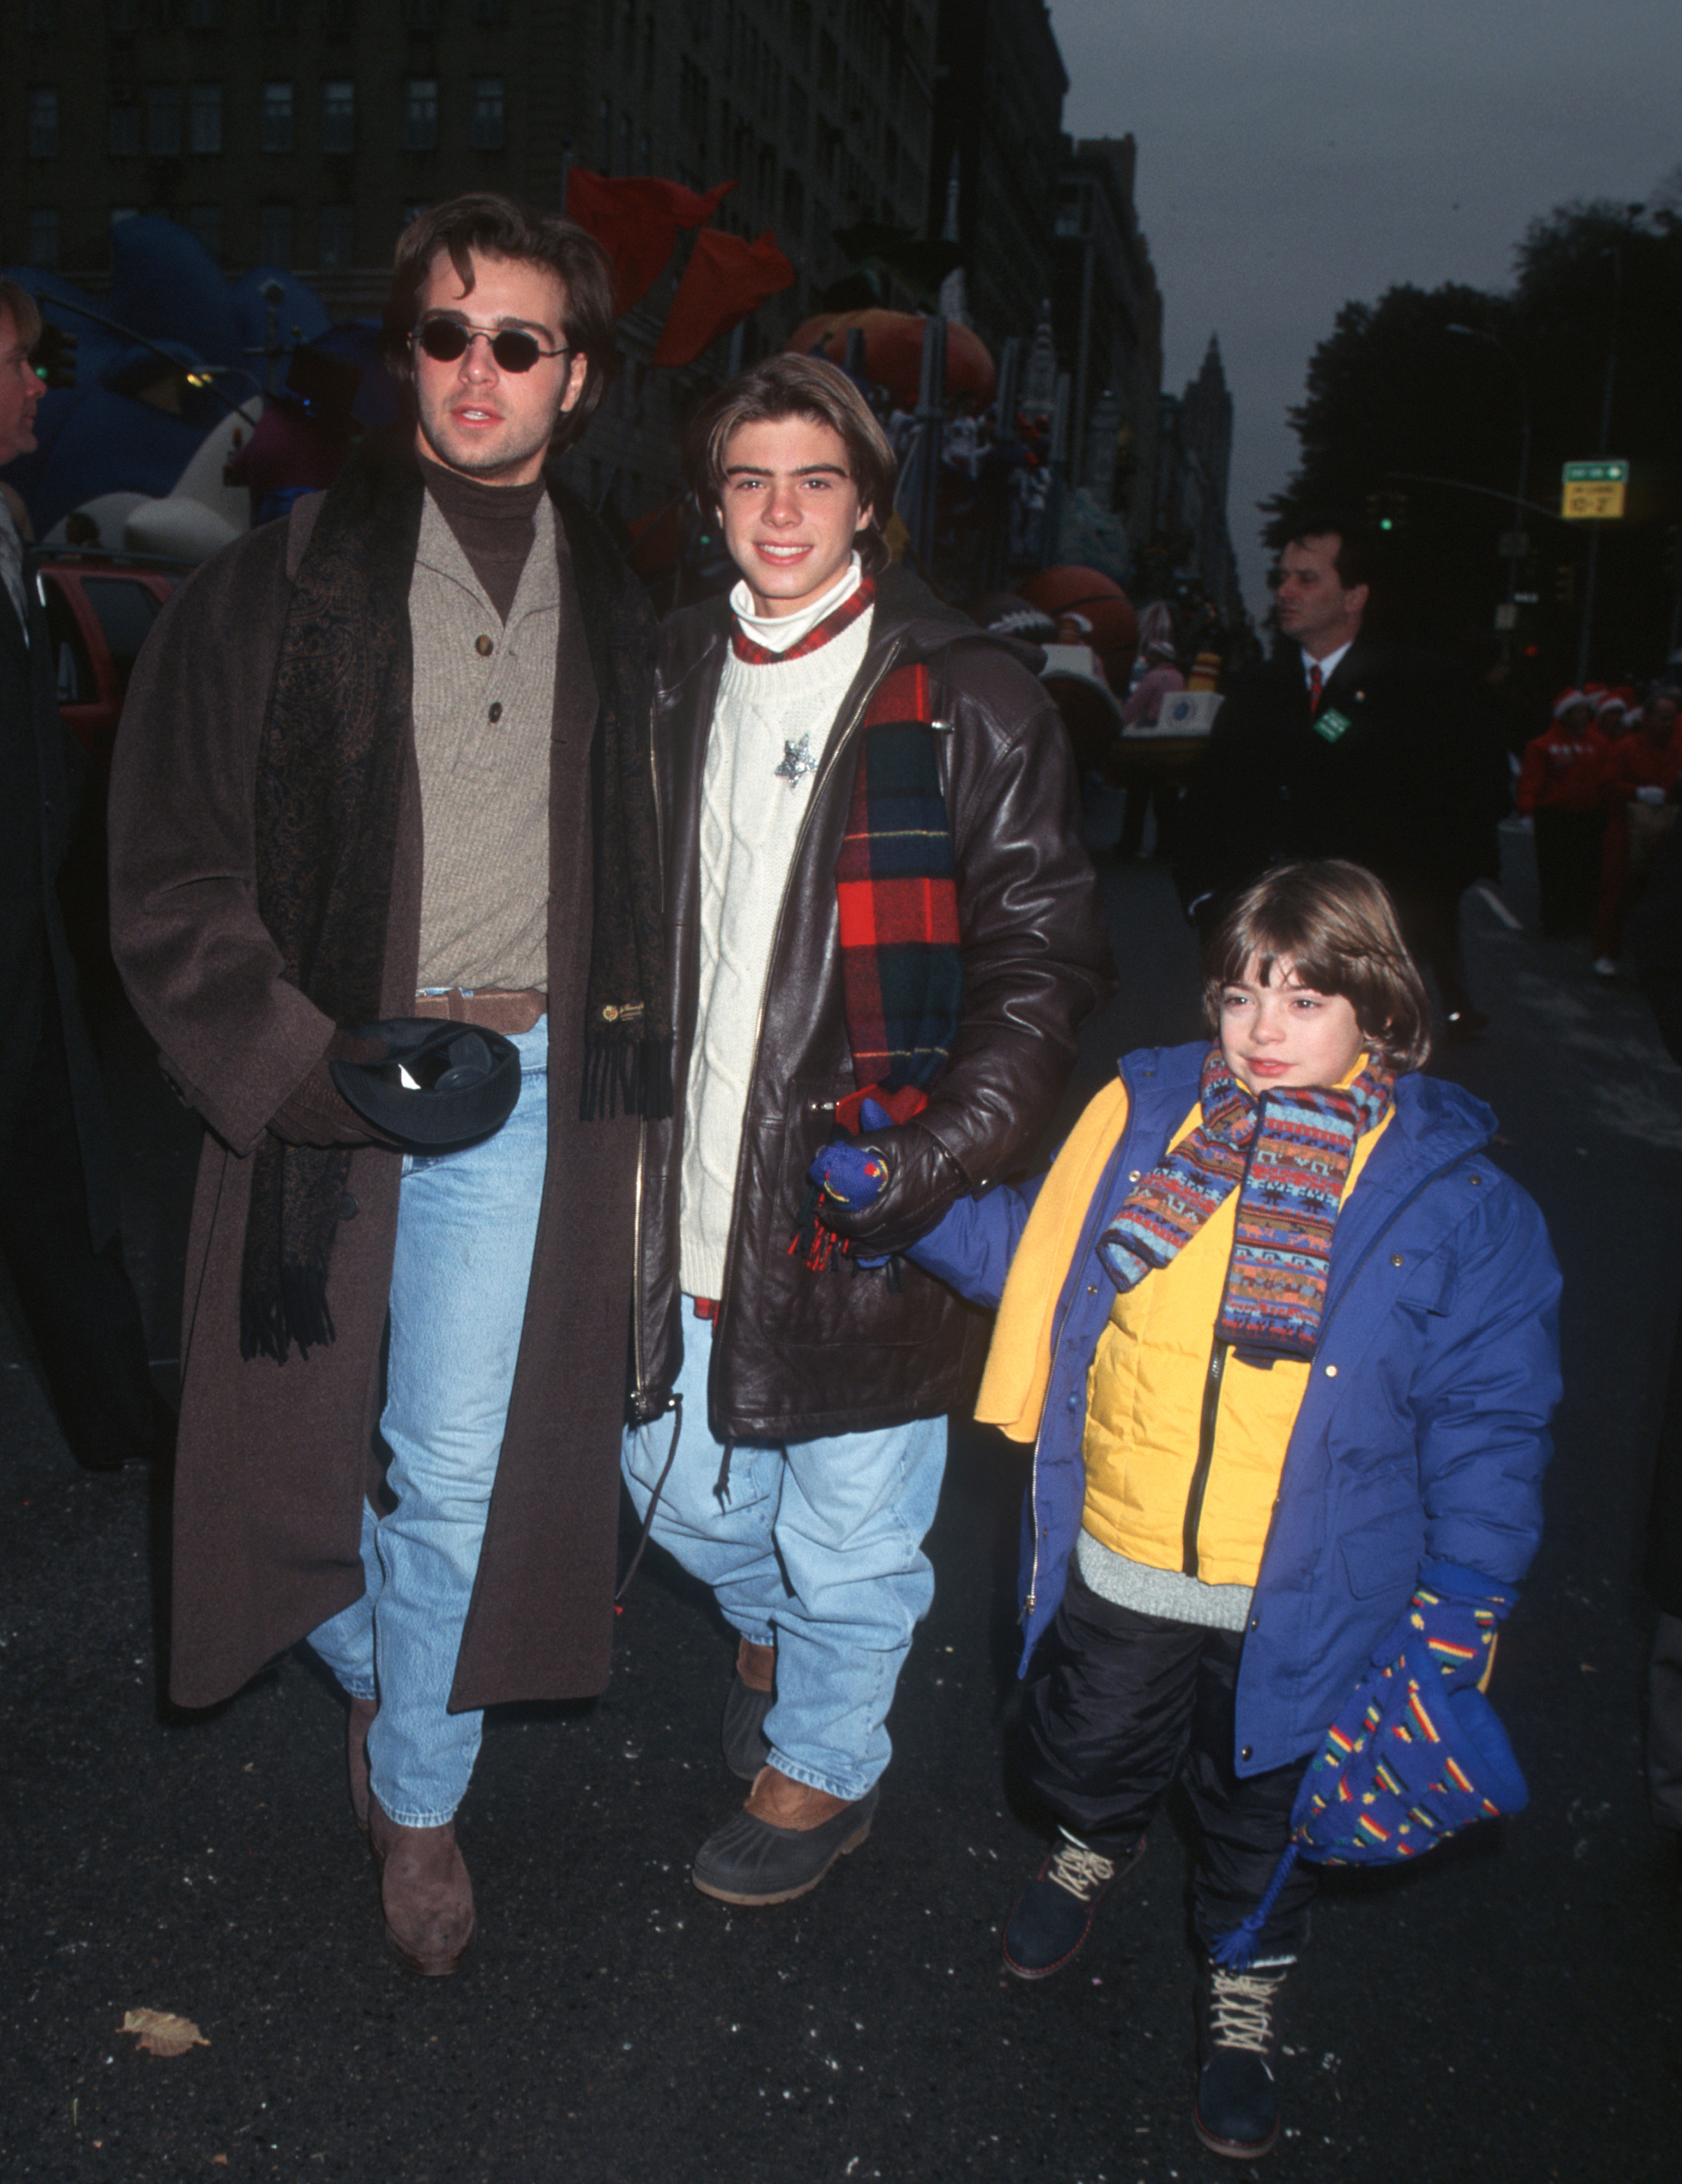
(1109, 325)
(302, 133)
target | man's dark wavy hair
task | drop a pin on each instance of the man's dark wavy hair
(497, 227)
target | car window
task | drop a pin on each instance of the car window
(126, 611)
(72, 668)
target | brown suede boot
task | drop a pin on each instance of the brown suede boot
(426, 1892)
(356, 1729)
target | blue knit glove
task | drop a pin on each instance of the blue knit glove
(850, 1173)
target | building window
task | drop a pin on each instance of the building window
(420, 113)
(43, 122)
(274, 236)
(339, 237)
(43, 235)
(163, 122)
(205, 221)
(204, 113)
(486, 130)
(692, 102)
(339, 117)
(122, 126)
(275, 135)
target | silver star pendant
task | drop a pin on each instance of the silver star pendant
(797, 761)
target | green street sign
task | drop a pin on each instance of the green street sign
(1593, 491)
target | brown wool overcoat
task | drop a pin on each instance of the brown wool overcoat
(274, 1460)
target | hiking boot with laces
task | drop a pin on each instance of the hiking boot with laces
(1049, 1926)
(1237, 2110)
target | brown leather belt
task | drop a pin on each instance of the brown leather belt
(505, 1009)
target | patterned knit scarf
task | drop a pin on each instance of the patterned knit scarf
(1288, 1156)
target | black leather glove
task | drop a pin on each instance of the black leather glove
(922, 1180)
(317, 1113)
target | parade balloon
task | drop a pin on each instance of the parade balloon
(894, 353)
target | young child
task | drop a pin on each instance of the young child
(1284, 1341)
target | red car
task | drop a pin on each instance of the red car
(99, 608)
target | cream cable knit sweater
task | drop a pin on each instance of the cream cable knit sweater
(769, 732)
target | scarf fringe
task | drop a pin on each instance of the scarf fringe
(269, 1325)
(628, 1077)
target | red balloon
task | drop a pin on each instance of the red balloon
(894, 352)
(1073, 590)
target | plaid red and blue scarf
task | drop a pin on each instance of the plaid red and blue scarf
(902, 969)
(760, 655)
(1287, 1155)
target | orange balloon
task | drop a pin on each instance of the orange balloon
(894, 352)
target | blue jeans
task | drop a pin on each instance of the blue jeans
(814, 1546)
(467, 1224)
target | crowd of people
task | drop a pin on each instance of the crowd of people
(619, 1048)
(1600, 787)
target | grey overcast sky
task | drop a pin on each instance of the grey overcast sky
(1292, 157)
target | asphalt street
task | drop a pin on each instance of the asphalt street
(1509, 2009)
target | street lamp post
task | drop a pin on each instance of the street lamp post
(1515, 542)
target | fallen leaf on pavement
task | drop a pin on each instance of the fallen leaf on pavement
(161, 2033)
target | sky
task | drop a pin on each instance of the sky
(1292, 157)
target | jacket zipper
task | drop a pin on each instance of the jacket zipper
(1205, 1452)
(1218, 1354)
(830, 759)
(638, 1372)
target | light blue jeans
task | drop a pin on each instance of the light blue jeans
(467, 1223)
(814, 1546)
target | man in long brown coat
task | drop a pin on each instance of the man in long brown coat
(444, 647)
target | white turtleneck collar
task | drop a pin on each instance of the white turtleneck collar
(776, 632)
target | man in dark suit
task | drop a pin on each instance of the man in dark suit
(57, 1167)
(1343, 745)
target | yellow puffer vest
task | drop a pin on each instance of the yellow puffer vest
(1146, 1395)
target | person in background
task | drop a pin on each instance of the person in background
(1346, 745)
(58, 1167)
(1161, 677)
(1560, 790)
(1640, 789)
(1284, 1341)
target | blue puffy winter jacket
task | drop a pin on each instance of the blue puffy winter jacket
(1424, 1433)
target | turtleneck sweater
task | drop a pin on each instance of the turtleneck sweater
(494, 526)
(776, 632)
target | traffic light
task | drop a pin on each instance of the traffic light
(1387, 511)
(54, 355)
(1565, 584)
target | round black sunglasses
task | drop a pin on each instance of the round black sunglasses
(444, 340)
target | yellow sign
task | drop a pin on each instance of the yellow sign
(1593, 492)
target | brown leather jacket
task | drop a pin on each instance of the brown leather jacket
(796, 1354)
